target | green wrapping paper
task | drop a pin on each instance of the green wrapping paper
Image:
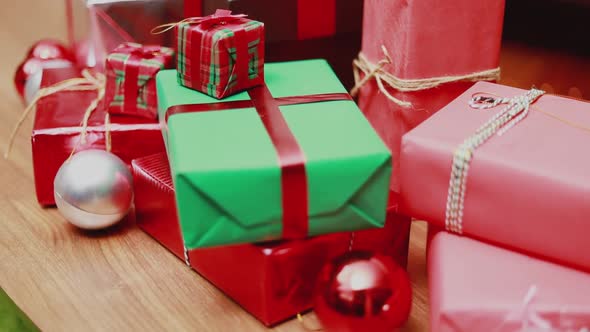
(226, 172)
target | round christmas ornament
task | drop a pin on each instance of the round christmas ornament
(363, 291)
(47, 49)
(44, 54)
(93, 189)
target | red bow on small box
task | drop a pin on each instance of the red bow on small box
(221, 16)
(140, 51)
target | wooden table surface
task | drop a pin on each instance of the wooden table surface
(69, 280)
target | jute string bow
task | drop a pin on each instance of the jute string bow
(88, 82)
(385, 79)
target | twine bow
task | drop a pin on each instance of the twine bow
(88, 82)
(384, 78)
(221, 16)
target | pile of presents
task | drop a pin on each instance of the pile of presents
(251, 168)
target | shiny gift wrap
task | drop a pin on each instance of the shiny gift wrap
(425, 39)
(57, 129)
(527, 189)
(131, 78)
(478, 287)
(273, 281)
(229, 169)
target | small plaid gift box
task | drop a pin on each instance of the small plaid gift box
(131, 70)
(220, 54)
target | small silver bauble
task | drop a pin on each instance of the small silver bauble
(33, 83)
(93, 189)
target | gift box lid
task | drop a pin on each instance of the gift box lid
(227, 157)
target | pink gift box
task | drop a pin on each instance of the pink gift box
(479, 287)
(425, 40)
(527, 190)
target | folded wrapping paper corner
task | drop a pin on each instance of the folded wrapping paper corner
(220, 54)
(417, 36)
(290, 268)
(493, 289)
(234, 185)
(57, 130)
(131, 86)
(526, 189)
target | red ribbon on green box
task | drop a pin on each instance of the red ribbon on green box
(291, 158)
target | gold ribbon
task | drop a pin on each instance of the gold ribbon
(384, 78)
(88, 82)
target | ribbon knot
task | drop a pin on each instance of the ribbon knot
(383, 78)
(139, 51)
(221, 16)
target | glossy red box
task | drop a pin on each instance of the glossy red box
(273, 281)
(57, 128)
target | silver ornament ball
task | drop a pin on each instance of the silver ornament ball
(93, 189)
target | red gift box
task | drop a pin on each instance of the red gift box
(220, 54)
(273, 281)
(57, 129)
(424, 40)
(131, 71)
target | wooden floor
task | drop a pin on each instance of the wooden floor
(68, 280)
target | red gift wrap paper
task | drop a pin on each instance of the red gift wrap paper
(425, 40)
(57, 129)
(288, 269)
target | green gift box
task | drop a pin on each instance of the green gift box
(226, 170)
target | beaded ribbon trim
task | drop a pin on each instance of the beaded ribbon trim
(516, 109)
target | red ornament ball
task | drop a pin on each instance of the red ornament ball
(363, 291)
(43, 54)
(48, 49)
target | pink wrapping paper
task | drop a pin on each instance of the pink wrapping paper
(425, 39)
(528, 189)
(479, 287)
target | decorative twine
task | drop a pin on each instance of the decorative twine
(195, 20)
(169, 26)
(88, 82)
(383, 78)
(515, 110)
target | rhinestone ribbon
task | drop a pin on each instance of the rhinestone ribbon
(516, 109)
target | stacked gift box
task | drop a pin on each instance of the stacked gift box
(244, 170)
(497, 166)
(248, 169)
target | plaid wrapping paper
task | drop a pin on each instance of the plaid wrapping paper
(140, 64)
(218, 54)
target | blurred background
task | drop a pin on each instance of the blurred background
(546, 42)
